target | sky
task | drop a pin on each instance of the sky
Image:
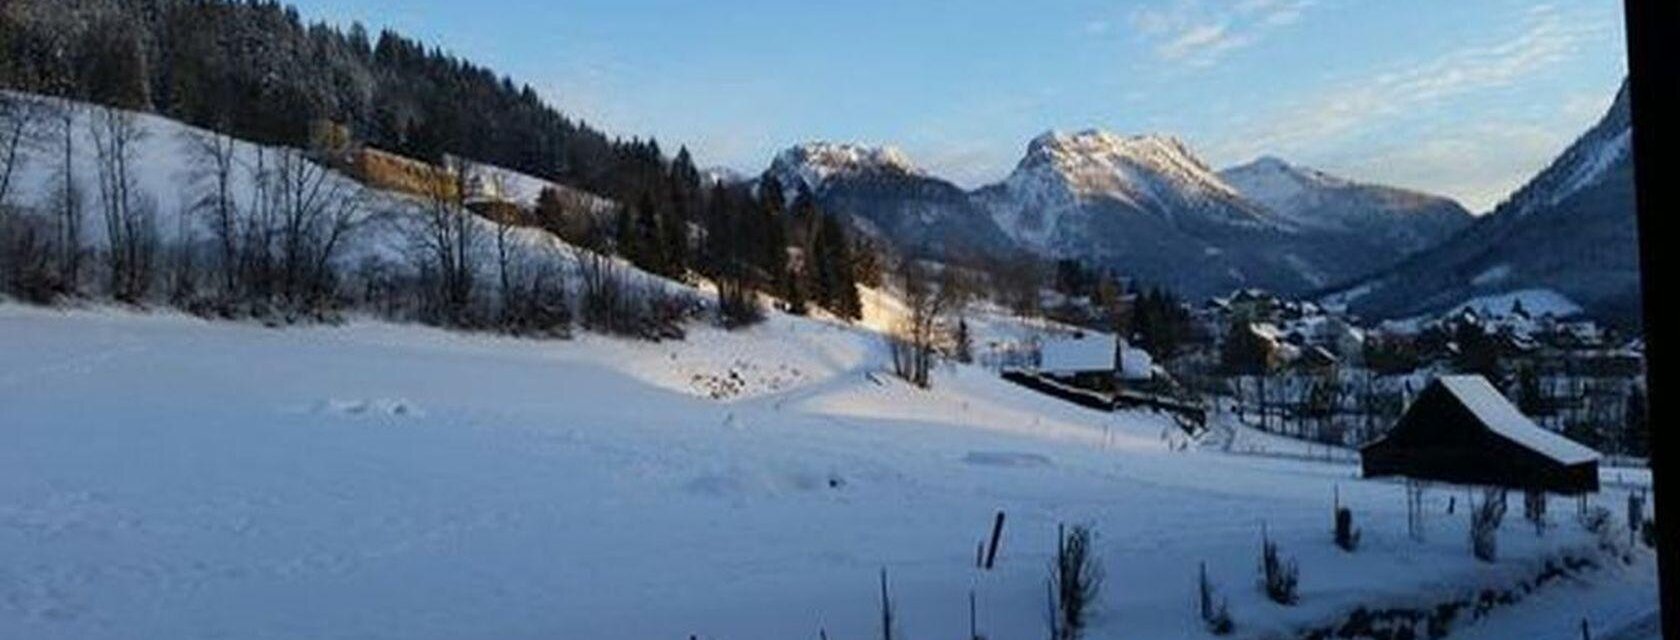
(1463, 98)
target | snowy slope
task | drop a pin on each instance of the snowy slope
(163, 476)
(171, 179)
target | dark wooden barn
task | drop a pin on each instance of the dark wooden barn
(1461, 430)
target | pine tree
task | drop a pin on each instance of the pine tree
(624, 235)
(649, 238)
(836, 278)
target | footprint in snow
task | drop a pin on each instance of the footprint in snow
(394, 407)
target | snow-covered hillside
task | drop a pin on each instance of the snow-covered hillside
(164, 476)
(172, 178)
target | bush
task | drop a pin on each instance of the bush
(1078, 579)
(1215, 616)
(1484, 525)
(26, 259)
(1347, 537)
(1534, 510)
(1612, 540)
(1279, 578)
(665, 311)
(738, 305)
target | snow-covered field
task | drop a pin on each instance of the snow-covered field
(167, 477)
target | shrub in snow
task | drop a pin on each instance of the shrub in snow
(1078, 579)
(1598, 521)
(1215, 616)
(1534, 510)
(1484, 525)
(1279, 578)
(1347, 536)
(737, 304)
(27, 267)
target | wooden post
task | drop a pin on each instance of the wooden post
(886, 609)
(997, 537)
(973, 629)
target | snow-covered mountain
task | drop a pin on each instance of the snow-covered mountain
(1571, 230)
(881, 192)
(1150, 207)
(1395, 221)
(813, 164)
(1041, 204)
(721, 175)
(1145, 205)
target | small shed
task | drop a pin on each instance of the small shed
(1462, 430)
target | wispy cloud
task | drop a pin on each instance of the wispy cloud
(1382, 103)
(1477, 163)
(1199, 34)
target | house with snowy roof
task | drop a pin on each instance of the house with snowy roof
(1462, 430)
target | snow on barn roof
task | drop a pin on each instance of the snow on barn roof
(1135, 363)
(1095, 352)
(1090, 352)
(1494, 410)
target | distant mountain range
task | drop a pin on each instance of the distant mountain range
(1145, 205)
(1571, 230)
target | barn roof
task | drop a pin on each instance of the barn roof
(1500, 416)
(1089, 352)
(1095, 352)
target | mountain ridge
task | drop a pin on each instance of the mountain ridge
(1146, 205)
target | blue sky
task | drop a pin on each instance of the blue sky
(1465, 98)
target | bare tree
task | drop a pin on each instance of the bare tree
(316, 211)
(446, 240)
(24, 257)
(19, 121)
(260, 228)
(67, 196)
(930, 299)
(606, 302)
(504, 217)
(213, 165)
(127, 215)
